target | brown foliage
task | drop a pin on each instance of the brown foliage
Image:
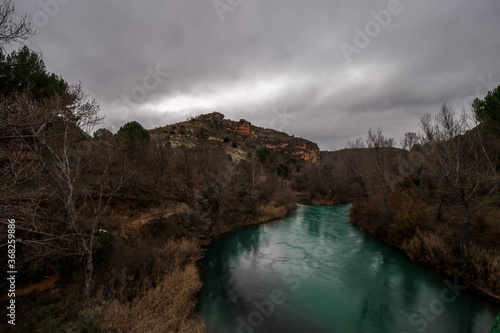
(474, 265)
(168, 307)
(162, 294)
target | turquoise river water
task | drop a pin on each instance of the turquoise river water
(315, 272)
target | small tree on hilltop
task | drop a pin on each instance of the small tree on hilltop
(263, 153)
(134, 145)
(103, 133)
(24, 71)
(487, 111)
(134, 131)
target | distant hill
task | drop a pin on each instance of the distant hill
(238, 137)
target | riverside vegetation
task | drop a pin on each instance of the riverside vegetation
(122, 217)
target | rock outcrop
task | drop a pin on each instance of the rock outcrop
(241, 136)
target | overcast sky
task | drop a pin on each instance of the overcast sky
(325, 70)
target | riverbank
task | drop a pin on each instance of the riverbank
(168, 269)
(146, 284)
(309, 257)
(437, 245)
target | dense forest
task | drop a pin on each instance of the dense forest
(120, 219)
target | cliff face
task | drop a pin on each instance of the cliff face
(238, 136)
(303, 149)
(242, 127)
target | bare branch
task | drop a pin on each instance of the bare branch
(11, 31)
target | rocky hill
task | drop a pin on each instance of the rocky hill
(238, 137)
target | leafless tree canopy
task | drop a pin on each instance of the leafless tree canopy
(45, 175)
(10, 30)
(457, 156)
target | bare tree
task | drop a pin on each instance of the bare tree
(253, 171)
(68, 156)
(377, 140)
(11, 31)
(63, 158)
(456, 155)
(384, 169)
(356, 144)
(410, 139)
(160, 158)
(21, 169)
(377, 168)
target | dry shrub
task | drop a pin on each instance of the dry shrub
(491, 230)
(408, 208)
(270, 211)
(367, 216)
(152, 261)
(482, 268)
(428, 249)
(162, 297)
(284, 196)
(174, 255)
(168, 307)
(363, 214)
(472, 264)
(414, 249)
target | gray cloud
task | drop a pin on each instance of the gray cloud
(267, 56)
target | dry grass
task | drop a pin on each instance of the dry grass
(472, 264)
(284, 196)
(168, 307)
(271, 211)
(414, 227)
(162, 297)
(427, 249)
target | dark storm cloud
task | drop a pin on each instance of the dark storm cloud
(276, 63)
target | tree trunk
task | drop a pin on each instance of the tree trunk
(468, 230)
(89, 269)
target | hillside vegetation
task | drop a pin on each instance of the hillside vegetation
(439, 201)
(123, 217)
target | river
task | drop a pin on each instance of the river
(315, 272)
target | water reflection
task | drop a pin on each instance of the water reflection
(333, 279)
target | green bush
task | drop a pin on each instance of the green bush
(103, 253)
(134, 131)
(283, 170)
(487, 110)
(202, 133)
(263, 153)
(102, 133)
(24, 71)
